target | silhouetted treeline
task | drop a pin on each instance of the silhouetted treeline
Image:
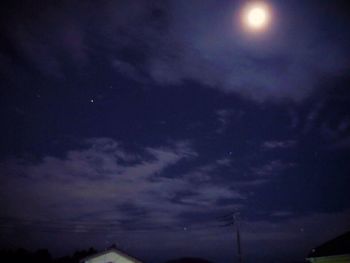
(41, 256)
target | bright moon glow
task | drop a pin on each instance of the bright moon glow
(256, 16)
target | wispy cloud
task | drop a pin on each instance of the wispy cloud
(279, 144)
(174, 42)
(272, 168)
(103, 181)
(224, 117)
(282, 213)
(128, 70)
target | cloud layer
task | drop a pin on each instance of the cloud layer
(105, 182)
(170, 43)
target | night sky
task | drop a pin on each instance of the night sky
(143, 123)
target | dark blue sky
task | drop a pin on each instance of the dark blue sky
(141, 122)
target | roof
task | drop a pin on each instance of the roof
(337, 246)
(111, 250)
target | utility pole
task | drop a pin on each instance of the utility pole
(232, 219)
(238, 237)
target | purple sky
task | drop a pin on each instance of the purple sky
(141, 123)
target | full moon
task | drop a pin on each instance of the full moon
(256, 16)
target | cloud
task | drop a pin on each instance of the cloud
(224, 117)
(282, 214)
(170, 43)
(103, 182)
(335, 130)
(272, 168)
(279, 144)
(210, 195)
(327, 117)
(313, 115)
(127, 70)
(207, 50)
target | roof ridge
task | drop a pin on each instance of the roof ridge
(116, 250)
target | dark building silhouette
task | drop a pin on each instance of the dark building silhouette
(334, 251)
